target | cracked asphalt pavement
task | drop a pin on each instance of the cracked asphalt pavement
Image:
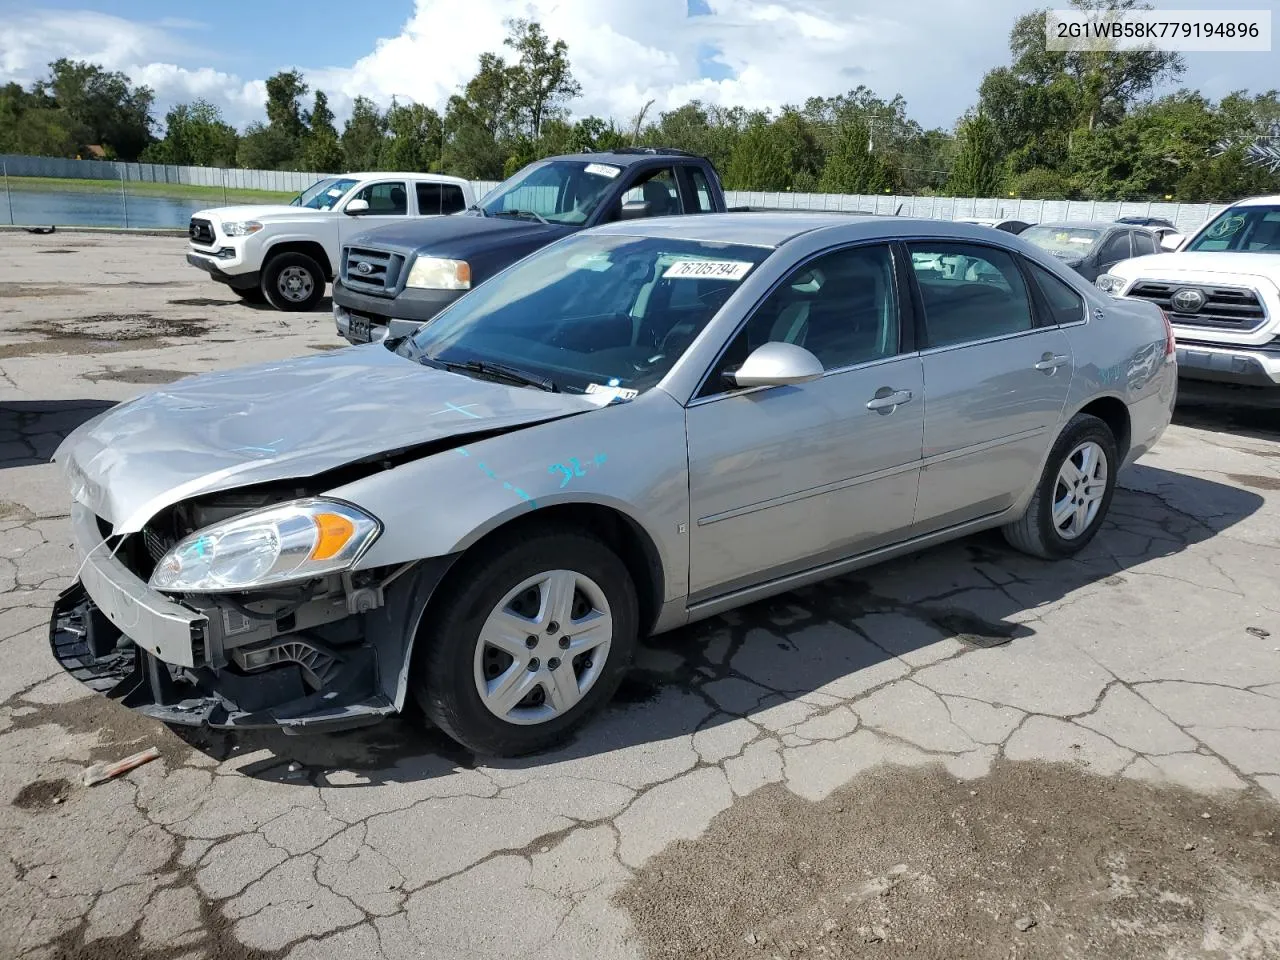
(814, 775)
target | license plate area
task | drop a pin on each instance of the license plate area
(358, 327)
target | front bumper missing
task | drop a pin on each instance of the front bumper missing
(94, 651)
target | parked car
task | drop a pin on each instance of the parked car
(286, 253)
(1168, 236)
(1222, 293)
(1091, 247)
(639, 426)
(412, 271)
(1008, 226)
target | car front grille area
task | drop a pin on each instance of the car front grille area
(1223, 308)
(371, 271)
(201, 232)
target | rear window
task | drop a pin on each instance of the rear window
(442, 198)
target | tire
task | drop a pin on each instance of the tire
(292, 281)
(1036, 532)
(514, 582)
(250, 294)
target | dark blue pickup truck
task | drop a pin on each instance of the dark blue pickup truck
(412, 271)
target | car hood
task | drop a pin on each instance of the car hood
(1200, 265)
(259, 211)
(457, 235)
(276, 421)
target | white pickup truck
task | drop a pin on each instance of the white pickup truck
(287, 252)
(1221, 292)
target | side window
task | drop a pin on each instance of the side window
(1116, 249)
(841, 307)
(969, 292)
(1065, 305)
(428, 197)
(701, 192)
(658, 189)
(386, 199)
(451, 198)
(1143, 244)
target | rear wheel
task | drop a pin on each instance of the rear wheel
(533, 640)
(293, 281)
(1074, 493)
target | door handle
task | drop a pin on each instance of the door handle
(1051, 362)
(887, 398)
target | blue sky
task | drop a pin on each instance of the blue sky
(754, 53)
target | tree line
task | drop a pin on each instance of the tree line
(1050, 124)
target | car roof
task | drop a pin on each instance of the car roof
(774, 229)
(1272, 200)
(1090, 224)
(379, 174)
(628, 156)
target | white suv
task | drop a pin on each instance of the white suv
(1221, 292)
(286, 253)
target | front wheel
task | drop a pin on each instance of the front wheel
(532, 639)
(1074, 493)
(293, 281)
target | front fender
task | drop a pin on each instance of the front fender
(630, 457)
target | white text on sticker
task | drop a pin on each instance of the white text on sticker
(709, 269)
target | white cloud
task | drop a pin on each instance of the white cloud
(624, 53)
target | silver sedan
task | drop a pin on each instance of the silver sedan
(636, 427)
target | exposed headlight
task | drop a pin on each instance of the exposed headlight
(435, 273)
(1109, 283)
(290, 541)
(241, 228)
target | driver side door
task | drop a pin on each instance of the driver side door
(786, 478)
(388, 203)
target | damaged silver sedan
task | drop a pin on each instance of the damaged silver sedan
(635, 427)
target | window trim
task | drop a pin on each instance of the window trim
(1042, 299)
(926, 348)
(369, 185)
(906, 323)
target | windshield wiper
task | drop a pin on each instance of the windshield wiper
(522, 213)
(501, 372)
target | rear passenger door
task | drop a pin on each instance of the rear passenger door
(996, 376)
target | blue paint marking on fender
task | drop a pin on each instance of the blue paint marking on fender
(574, 468)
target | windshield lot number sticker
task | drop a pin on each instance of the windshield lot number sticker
(708, 269)
(603, 170)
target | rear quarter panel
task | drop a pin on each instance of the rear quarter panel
(1120, 352)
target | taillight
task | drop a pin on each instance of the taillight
(1168, 334)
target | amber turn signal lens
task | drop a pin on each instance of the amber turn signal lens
(332, 534)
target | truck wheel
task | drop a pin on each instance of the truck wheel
(292, 281)
(532, 638)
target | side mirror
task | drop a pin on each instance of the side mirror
(357, 207)
(776, 364)
(397, 329)
(634, 210)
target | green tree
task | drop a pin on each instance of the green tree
(100, 107)
(777, 155)
(31, 123)
(541, 81)
(322, 151)
(977, 168)
(265, 148)
(851, 165)
(285, 91)
(414, 137)
(1039, 183)
(707, 130)
(362, 135)
(195, 135)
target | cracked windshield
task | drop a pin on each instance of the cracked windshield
(781, 479)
